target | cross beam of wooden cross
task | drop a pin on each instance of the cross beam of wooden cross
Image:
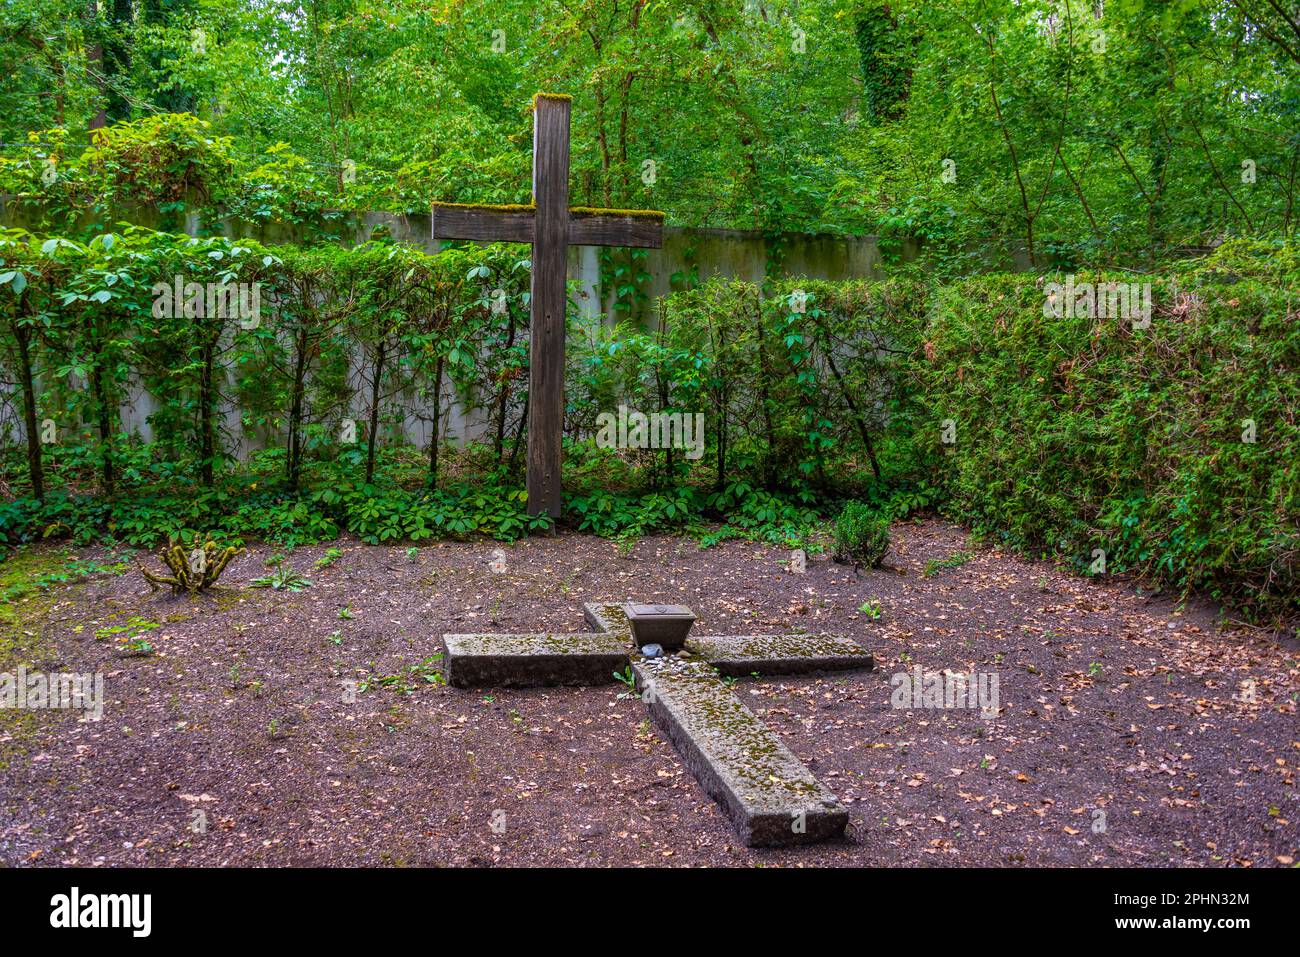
(551, 225)
(767, 792)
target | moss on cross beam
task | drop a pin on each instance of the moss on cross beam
(493, 207)
(561, 97)
(598, 211)
(573, 210)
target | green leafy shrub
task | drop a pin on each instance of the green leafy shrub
(1170, 448)
(1069, 434)
(861, 535)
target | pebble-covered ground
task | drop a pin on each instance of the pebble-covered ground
(309, 727)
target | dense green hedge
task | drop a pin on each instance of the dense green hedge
(1083, 437)
(340, 333)
(1060, 434)
(1075, 434)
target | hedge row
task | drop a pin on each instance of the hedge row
(1162, 440)
(1170, 449)
(307, 339)
(1165, 446)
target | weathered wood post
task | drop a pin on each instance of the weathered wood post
(550, 224)
(550, 268)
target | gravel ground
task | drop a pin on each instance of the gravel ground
(1132, 730)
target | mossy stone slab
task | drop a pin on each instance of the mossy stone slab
(781, 654)
(522, 661)
(771, 798)
(609, 617)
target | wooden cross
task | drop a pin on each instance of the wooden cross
(551, 225)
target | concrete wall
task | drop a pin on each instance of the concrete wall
(714, 252)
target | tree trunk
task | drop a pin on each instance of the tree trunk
(437, 425)
(117, 59)
(207, 438)
(661, 388)
(108, 475)
(764, 398)
(721, 480)
(863, 431)
(499, 444)
(374, 411)
(35, 466)
(94, 62)
(519, 437)
(294, 463)
(602, 137)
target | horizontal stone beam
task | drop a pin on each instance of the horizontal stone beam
(781, 654)
(608, 617)
(771, 798)
(523, 661)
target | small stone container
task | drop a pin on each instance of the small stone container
(666, 625)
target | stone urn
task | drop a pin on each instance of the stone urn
(663, 625)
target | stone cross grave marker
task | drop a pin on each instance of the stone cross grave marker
(768, 793)
(551, 225)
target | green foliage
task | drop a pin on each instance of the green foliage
(627, 678)
(23, 572)
(1074, 434)
(886, 55)
(460, 511)
(130, 633)
(795, 383)
(1080, 132)
(1071, 434)
(935, 565)
(624, 514)
(284, 578)
(406, 681)
(861, 535)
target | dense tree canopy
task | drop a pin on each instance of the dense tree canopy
(1076, 129)
(1075, 134)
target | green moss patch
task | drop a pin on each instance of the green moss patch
(32, 581)
(599, 211)
(489, 207)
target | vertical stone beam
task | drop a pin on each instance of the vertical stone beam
(550, 265)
